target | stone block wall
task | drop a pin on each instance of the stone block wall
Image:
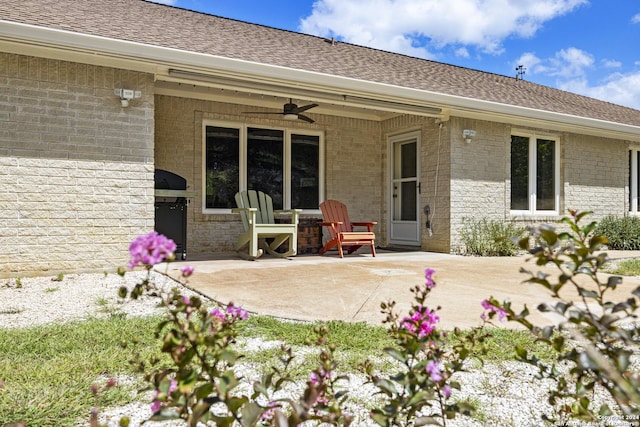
(76, 169)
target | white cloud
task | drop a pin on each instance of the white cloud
(621, 89)
(462, 52)
(636, 19)
(404, 25)
(611, 63)
(569, 67)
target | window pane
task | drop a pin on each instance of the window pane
(305, 171)
(545, 179)
(222, 162)
(630, 170)
(635, 195)
(519, 173)
(265, 163)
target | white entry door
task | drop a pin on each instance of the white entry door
(405, 189)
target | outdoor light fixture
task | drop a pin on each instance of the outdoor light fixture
(290, 117)
(468, 135)
(127, 95)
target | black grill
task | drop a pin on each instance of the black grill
(171, 209)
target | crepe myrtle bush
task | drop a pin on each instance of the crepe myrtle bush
(200, 384)
(419, 392)
(596, 336)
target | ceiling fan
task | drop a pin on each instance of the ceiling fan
(291, 111)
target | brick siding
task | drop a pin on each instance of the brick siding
(76, 169)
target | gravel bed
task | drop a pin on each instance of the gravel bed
(506, 394)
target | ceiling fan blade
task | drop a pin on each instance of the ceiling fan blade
(305, 108)
(305, 118)
(259, 112)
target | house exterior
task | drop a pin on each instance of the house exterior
(96, 95)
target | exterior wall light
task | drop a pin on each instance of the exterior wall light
(468, 135)
(127, 95)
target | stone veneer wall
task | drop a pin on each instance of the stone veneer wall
(593, 175)
(76, 169)
(353, 155)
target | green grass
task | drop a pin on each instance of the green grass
(48, 371)
(630, 267)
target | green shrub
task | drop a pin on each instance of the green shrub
(488, 237)
(623, 233)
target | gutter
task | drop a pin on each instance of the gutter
(158, 60)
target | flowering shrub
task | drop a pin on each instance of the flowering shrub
(201, 385)
(596, 337)
(420, 392)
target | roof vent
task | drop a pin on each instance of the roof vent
(520, 70)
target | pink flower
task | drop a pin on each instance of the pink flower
(186, 300)
(433, 369)
(155, 406)
(446, 391)
(150, 249)
(422, 321)
(173, 386)
(428, 274)
(218, 314)
(187, 271)
(502, 313)
(237, 312)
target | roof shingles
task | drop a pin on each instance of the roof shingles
(145, 22)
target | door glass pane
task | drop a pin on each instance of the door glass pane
(408, 160)
(545, 179)
(408, 201)
(305, 171)
(265, 163)
(221, 167)
(519, 173)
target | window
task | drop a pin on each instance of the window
(287, 165)
(535, 174)
(634, 181)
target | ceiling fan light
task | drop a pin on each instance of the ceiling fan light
(290, 116)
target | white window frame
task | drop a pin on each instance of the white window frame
(533, 155)
(242, 184)
(634, 205)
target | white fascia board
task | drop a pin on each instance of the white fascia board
(162, 58)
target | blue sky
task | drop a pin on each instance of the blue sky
(590, 47)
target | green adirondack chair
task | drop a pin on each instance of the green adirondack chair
(258, 218)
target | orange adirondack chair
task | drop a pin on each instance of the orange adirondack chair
(336, 219)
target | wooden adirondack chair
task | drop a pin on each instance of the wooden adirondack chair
(258, 217)
(341, 232)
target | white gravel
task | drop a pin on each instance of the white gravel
(506, 394)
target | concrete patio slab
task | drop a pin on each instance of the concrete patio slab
(312, 287)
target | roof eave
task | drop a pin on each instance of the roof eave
(158, 60)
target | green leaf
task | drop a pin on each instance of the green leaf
(521, 352)
(187, 380)
(587, 293)
(396, 354)
(204, 390)
(386, 386)
(614, 281)
(422, 395)
(251, 414)
(235, 403)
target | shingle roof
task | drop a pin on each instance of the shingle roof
(150, 23)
